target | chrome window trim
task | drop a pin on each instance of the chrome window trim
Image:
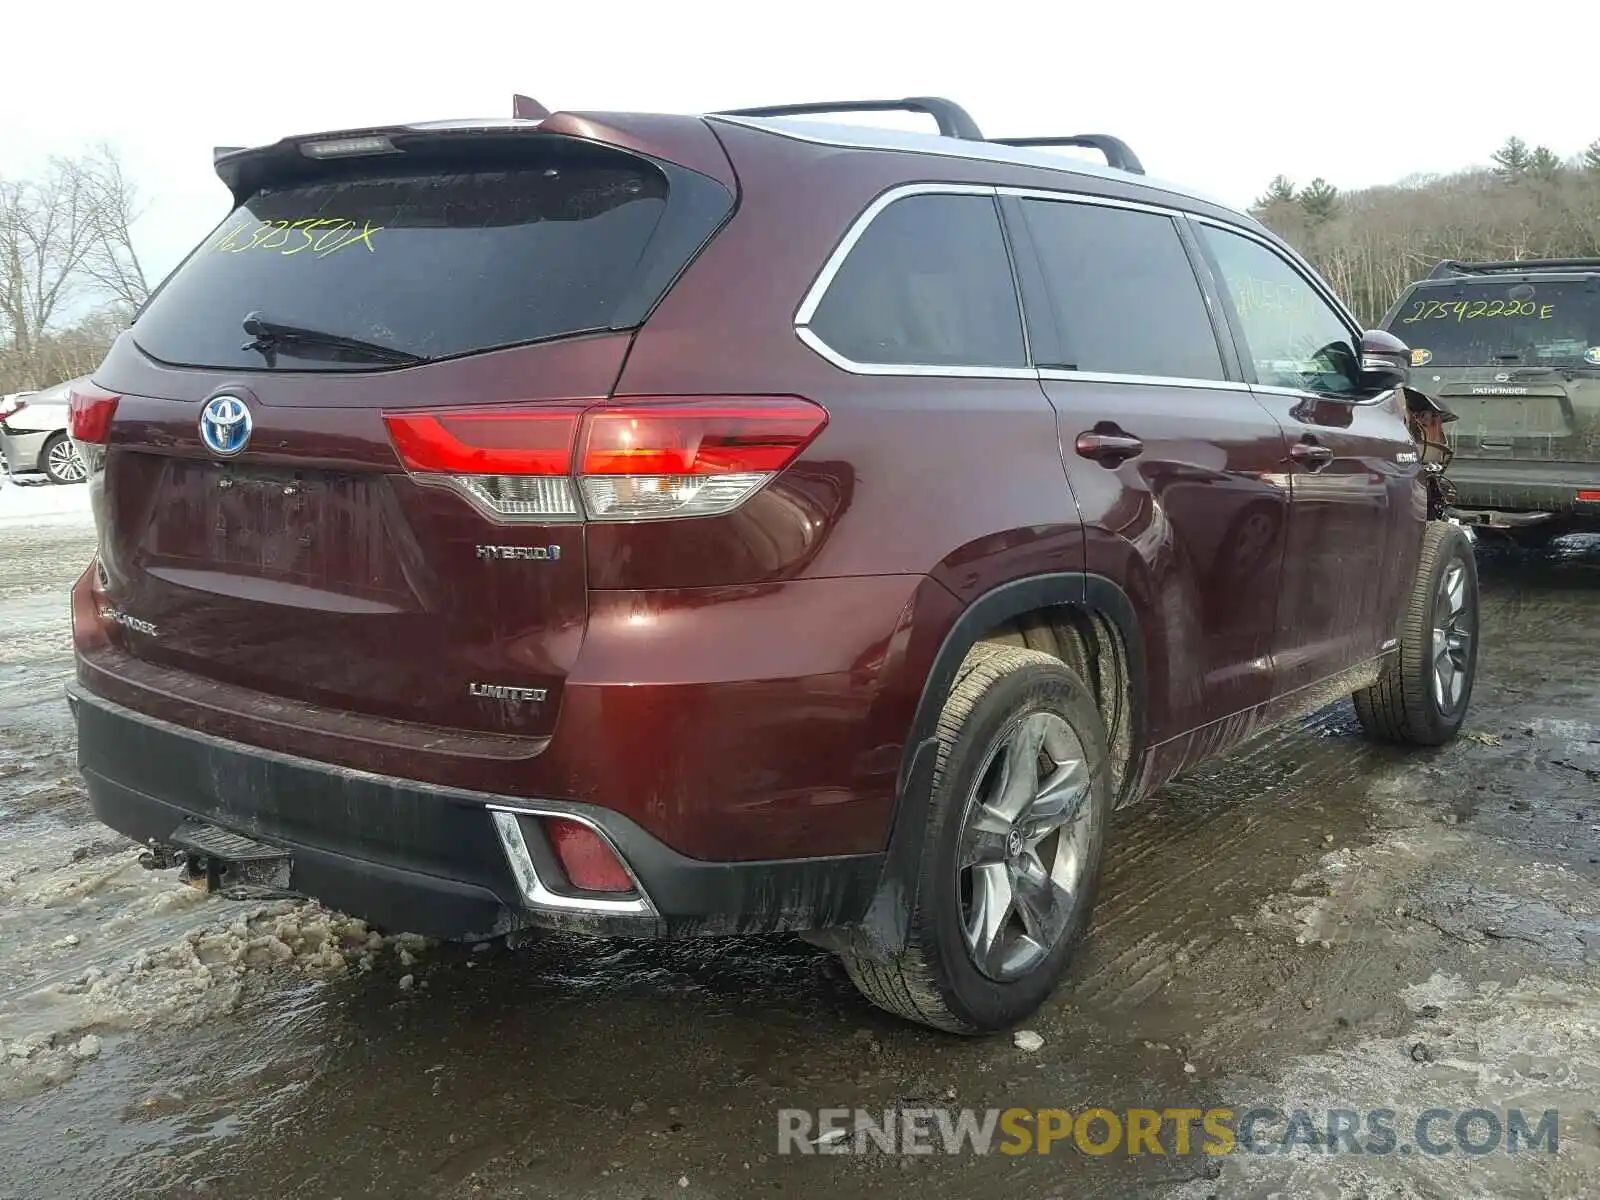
(819, 287)
(804, 333)
(830, 269)
(1064, 197)
(533, 890)
(1223, 385)
(1348, 399)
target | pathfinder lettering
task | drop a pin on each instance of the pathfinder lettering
(501, 691)
(534, 553)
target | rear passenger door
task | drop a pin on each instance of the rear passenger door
(1353, 493)
(1171, 460)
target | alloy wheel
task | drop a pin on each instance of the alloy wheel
(1453, 628)
(66, 463)
(1025, 845)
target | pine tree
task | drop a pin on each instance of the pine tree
(1320, 200)
(1544, 164)
(1591, 156)
(1280, 191)
(1512, 159)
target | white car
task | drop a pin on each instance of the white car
(33, 434)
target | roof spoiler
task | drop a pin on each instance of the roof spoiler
(953, 122)
(1451, 268)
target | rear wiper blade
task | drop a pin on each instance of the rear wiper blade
(268, 335)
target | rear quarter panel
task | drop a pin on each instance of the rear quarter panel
(955, 484)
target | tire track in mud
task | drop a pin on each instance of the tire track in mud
(1196, 849)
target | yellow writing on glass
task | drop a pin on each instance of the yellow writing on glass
(1472, 310)
(321, 236)
(1251, 295)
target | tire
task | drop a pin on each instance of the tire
(1003, 697)
(58, 458)
(1411, 703)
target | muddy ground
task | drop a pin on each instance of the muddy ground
(1313, 922)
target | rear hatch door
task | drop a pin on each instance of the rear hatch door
(1518, 360)
(442, 275)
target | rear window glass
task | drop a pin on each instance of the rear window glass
(425, 263)
(928, 283)
(1502, 324)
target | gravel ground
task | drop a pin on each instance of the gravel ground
(1314, 922)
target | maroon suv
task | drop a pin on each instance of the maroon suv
(664, 525)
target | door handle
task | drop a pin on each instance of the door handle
(1311, 454)
(1108, 449)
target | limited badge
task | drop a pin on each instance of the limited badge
(1421, 358)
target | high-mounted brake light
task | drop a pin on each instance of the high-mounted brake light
(349, 147)
(638, 459)
(89, 413)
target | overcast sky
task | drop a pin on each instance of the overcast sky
(1221, 96)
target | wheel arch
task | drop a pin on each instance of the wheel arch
(1071, 595)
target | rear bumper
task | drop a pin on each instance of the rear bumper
(426, 858)
(1525, 485)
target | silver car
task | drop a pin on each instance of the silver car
(33, 434)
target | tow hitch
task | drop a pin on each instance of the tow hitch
(215, 860)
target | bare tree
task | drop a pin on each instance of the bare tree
(65, 241)
(113, 261)
(45, 236)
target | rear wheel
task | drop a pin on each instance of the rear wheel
(1011, 851)
(1423, 694)
(61, 461)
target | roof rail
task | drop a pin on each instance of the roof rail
(1451, 267)
(952, 119)
(1118, 153)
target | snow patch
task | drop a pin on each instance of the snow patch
(30, 503)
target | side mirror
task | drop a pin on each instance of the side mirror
(1385, 361)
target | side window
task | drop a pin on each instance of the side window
(1123, 290)
(1295, 338)
(928, 283)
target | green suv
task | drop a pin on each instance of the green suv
(1513, 348)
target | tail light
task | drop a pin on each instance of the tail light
(512, 463)
(689, 457)
(638, 460)
(590, 863)
(89, 414)
(11, 408)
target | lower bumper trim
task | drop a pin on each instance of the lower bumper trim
(427, 859)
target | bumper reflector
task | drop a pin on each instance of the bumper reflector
(588, 861)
